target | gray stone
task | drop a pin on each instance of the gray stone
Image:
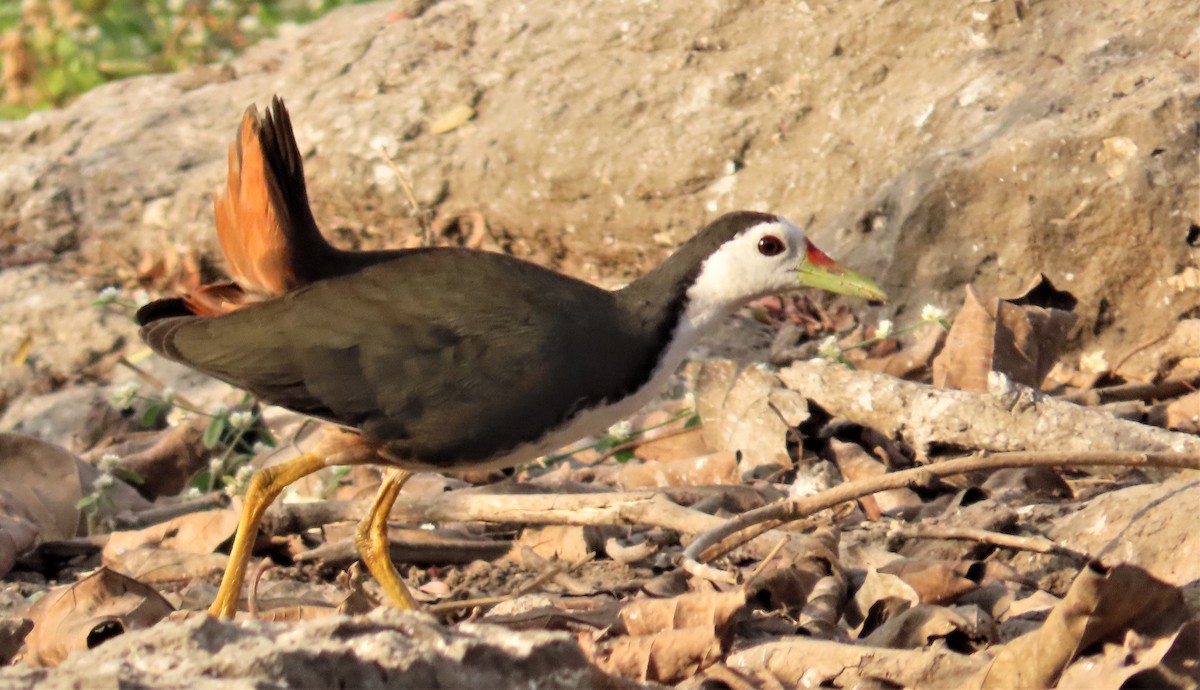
(384, 649)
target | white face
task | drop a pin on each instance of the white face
(762, 260)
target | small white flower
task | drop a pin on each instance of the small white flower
(621, 429)
(932, 314)
(108, 294)
(259, 448)
(104, 481)
(240, 419)
(122, 397)
(192, 492)
(109, 462)
(829, 348)
(168, 395)
(216, 466)
(177, 416)
(1094, 362)
(219, 409)
(884, 329)
(248, 23)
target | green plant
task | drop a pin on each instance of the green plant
(53, 50)
(98, 506)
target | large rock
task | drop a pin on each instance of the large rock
(385, 649)
(930, 144)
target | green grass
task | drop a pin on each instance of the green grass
(53, 50)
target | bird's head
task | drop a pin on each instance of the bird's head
(757, 254)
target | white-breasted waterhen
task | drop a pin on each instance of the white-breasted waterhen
(443, 358)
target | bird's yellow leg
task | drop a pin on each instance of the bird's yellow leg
(372, 540)
(264, 488)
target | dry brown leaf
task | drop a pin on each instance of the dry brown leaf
(783, 586)
(1020, 337)
(566, 542)
(823, 610)
(735, 405)
(1037, 604)
(153, 565)
(1100, 603)
(18, 530)
(688, 444)
(166, 460)
(923, 624)
(667, 657)
(1183, 414)
(85, 614)
(881, 592)
(1169, 661)
(935, 582)
(802, 662)
(911, 362)
(716, 468)
(855, 464)
(199, 532)
(44, 478)
(712, 610)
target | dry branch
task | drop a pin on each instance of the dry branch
(761, 520)
(625, 509)
(1007, 418)
(1016, 542)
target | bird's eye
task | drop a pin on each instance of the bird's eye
(770, 245)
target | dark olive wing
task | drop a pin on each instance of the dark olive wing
(448, 356)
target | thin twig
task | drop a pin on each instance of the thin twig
(158, 384)
(1168, 388)
(763, 564)
(609, 508)
(716, 542)
(420, 214)
(1016, 542)
(252, 593)
(551, 572)
(153, 516)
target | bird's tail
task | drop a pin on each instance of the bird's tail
(265, 226)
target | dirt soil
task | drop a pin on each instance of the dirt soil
(932, 146)
(975, 142)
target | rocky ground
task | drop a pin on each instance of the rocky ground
(932, 146)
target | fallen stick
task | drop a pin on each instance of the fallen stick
(1016, 542)
(624, 509)
(405, 549)
(1008, 418)
(716, 542)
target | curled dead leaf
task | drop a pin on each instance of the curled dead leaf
(963, 629)
(736, 408)
(1020, 337)
(712, 469)
(87, 613)
(666, 657)
(1101, 602)
(704, 609)
(936, 582)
